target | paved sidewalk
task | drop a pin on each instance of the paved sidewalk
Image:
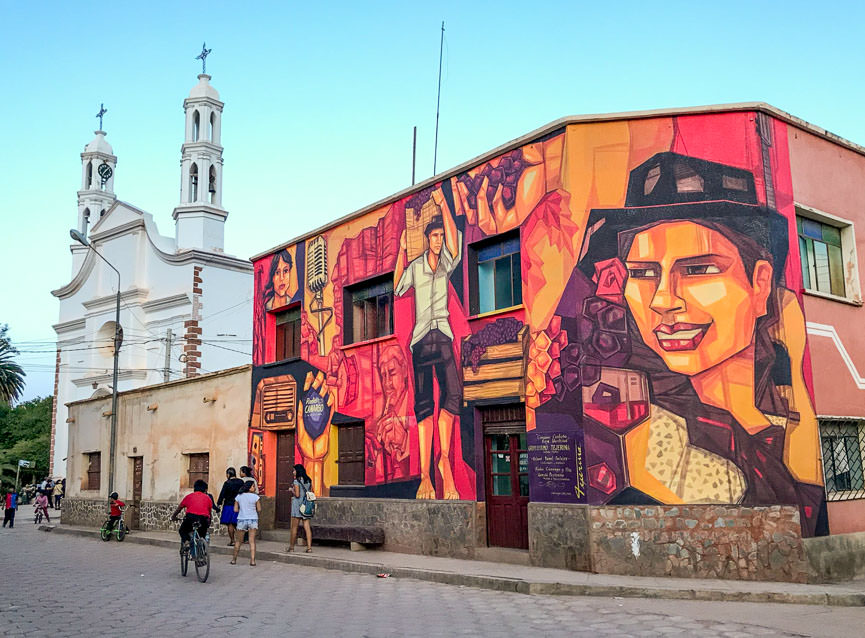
(518, 578)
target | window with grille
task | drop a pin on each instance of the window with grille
(94, 470)
(821, 255)
(199, 468)
(368, 309)
(288, 334)
(495, 272)
(843, 443)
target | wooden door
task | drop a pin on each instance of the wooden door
(506, 462)
(350, 457)
(134, 520)
(284, 476)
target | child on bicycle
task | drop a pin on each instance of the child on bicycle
(117, 508)
(198, 506)
(42, 507)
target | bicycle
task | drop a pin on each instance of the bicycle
(197, 551)
(120, 530)
(38, 517)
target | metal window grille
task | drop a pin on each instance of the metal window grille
(843, 444)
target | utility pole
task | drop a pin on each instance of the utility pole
(118, 339)
(166, 370)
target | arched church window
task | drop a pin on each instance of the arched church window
(196, 125)
(102, 213)
(211, 127)
(109, 336)
(212, 184)
(89, 179)
(193, 183)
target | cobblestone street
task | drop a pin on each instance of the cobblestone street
(59, 585)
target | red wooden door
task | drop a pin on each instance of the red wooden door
(284, 476)
(507, 487)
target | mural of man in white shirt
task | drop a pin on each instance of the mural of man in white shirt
(432, 341)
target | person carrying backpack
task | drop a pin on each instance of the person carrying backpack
(302, 507)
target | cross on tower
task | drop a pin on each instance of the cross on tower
(203, 57)
(102, 111)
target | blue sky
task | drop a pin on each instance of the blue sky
(321, 100)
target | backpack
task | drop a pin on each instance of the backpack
(307, 502)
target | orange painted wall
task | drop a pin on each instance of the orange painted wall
(650, 252)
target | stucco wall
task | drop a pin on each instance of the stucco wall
(828, 179)
(178, 422)
(846, 516)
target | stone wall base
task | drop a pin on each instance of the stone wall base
(691, 541)
(434, 528)
(695, 541)
(153, 515)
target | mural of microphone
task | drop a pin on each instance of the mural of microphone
(316, 280)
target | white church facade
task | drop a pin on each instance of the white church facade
(186, 306)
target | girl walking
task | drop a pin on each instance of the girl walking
(247, 504)
(302, 484)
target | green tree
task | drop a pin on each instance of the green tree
(11, 374)
(25, 433)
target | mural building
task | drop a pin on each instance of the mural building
(608, 314)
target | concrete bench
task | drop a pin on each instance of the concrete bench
(358, 536)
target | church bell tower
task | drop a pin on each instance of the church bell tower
(98, 164)
(200, 217)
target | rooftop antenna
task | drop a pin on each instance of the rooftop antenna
(102, 112)
(438, 98)
(413, 153)
(203, 57)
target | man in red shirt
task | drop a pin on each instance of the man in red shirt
(198, 505)
(10, 505)
(117, 507)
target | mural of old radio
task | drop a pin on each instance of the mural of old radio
(275, 405)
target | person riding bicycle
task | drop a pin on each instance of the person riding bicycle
(117, 508)
(42, 506)
(198, 506)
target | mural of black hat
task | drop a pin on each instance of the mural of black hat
(670, 187)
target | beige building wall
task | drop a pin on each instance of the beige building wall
(163, 424)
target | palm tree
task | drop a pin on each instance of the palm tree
(11, 374)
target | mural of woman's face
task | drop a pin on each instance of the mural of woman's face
(281, 279)
(690, 295)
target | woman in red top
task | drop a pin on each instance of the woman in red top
(198, 506)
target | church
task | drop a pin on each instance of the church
(186, 306)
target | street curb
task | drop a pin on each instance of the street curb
(516, 585)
